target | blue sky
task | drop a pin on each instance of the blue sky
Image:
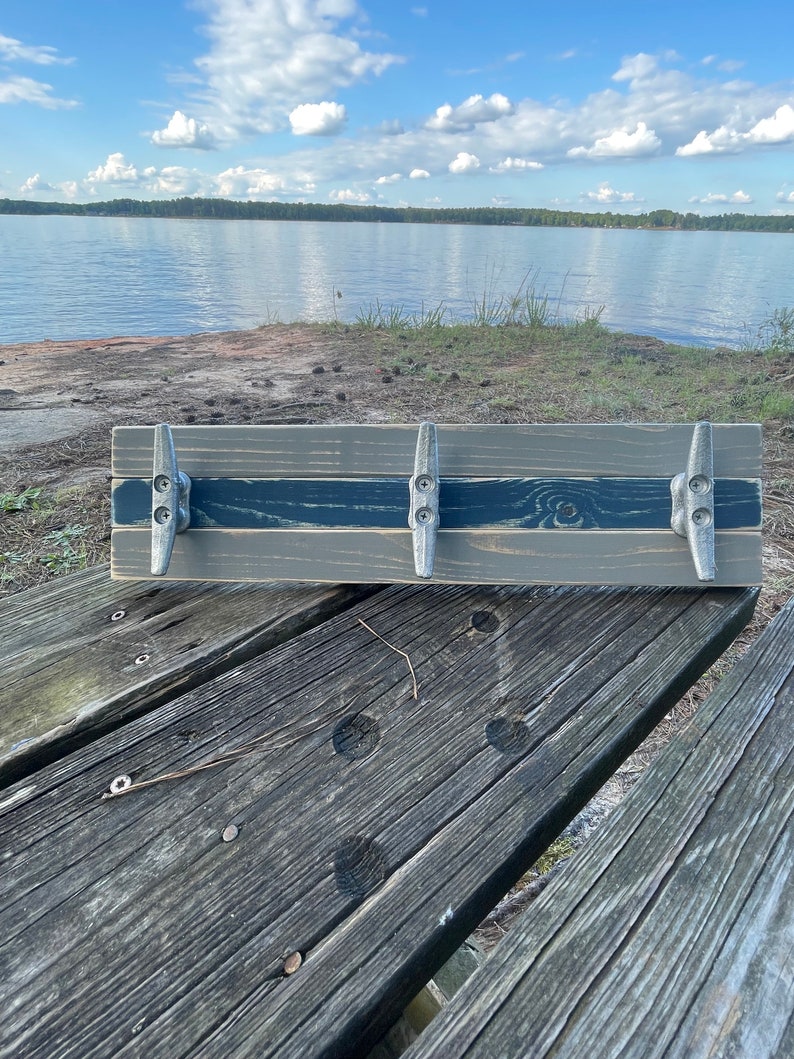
(576, 105)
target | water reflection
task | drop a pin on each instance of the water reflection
(73, 277)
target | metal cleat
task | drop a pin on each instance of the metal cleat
(693, 502)
(170, 499)
(423, 490)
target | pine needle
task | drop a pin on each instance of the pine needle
(397, 650)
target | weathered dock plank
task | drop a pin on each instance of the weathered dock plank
(672, 933)
(83, 654)
(373, 831)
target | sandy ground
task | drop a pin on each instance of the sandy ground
(51, 391)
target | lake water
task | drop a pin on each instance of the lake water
(93, 277)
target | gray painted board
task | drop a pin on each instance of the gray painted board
(567, 556)
(529, 450)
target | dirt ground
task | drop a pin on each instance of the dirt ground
(54, 392)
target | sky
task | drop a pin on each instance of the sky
(587, 106)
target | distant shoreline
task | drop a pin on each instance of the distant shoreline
(229, 209)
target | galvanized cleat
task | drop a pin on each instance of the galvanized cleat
(170, 499)
(423, 489)
(693, 502)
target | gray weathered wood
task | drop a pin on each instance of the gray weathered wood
(672, 933)
(479, 450)
(566, 556)
(83, 654)
(373, 834)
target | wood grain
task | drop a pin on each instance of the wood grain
(465, 503)
(372, 836)
(672, 933)
(83, 654)
(561, 556)
(479, 450)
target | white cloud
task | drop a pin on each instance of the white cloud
(420, 12)
(12, 50)
(472, 111)
(464, 162)
(116, 170)
(267, 56)
(606, 195)
(638, 67)
(26, 90)
(389, 179)
(35, 183)
(722, 139)
(183, 131)
(621, 144)
(318, 119)
(737, 198)
(785, 196)
(418, 174)
(515, 165)
(176, 180)
(779, 128)
(348, 195)
(241, 182)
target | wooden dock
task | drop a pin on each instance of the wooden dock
(330, 837)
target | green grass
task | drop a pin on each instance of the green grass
(576, 371)
(67, 552)
(11, 503)
(46, 533)
(528, 307)
(379, 317)
(774, 336)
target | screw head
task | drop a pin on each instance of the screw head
(162, 483)
(699, 483)
(424, 516)
(701, 517)
(161, 515)
(424, 483)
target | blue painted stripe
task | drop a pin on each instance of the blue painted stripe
(465, 503)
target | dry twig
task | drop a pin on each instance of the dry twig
(397, 650)
(222, 759)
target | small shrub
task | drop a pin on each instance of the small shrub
(775, 336)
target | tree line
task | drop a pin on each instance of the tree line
(230, 209)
